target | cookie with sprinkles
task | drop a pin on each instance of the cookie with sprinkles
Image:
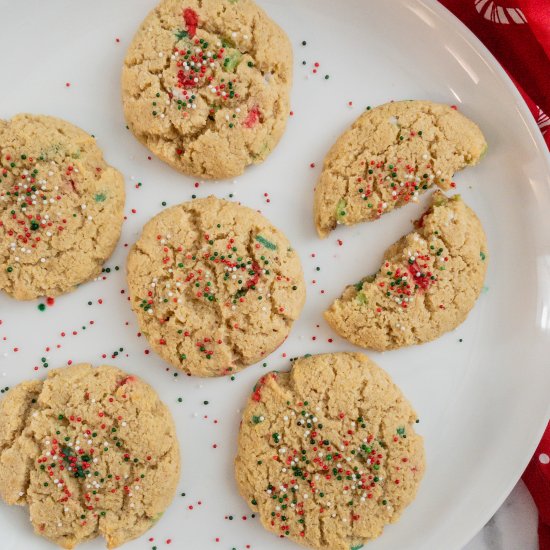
(91, 451)
(427, 284)
(215, 286)
(61, 207)
(206, 85)
(389, 156)
(327, 452)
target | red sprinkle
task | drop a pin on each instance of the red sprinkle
(252, 118)
(191, 21)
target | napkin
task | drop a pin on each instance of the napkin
(537, 479)
(517, 33)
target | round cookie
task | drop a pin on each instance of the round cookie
(214, 285)
(61, 207)
(389, 156)
(91, 451)
(327, 452)
(428, 282)
(206, 85)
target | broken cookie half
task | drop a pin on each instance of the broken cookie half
(428, 282)
(389, 156)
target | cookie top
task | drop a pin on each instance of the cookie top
(427, 284)
(389, 156)
(327, 452)
(91, 451)
(214, 285)
(206, 85)
(61, 207)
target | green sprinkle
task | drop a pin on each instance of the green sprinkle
(340, 209)
(266, 243)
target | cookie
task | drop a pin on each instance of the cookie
(61, 207)
(389, 156)
(214, 285)
(327, 452)
(428, 282)
(206, 85)
(91, 451)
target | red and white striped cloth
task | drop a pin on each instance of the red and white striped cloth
(517, 32)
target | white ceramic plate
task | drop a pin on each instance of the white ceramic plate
(481, 392)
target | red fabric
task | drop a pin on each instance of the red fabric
(537, 479)
(517, 32)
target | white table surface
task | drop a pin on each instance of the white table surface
(513, 527)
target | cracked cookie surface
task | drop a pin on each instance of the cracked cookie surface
(206, 85)
(428, 282)
(389, 156)
(215, 286)
(91, 451)
(327, 452)
(61, 207)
